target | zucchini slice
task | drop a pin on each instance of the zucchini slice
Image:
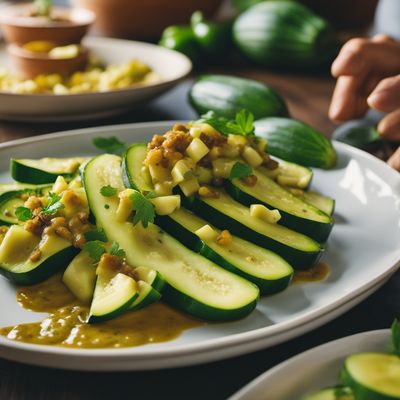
(113, 294)
(193, 283)
(16, 248)
(302, 174)
(374, 376)
(335, 393)
(297, 249)
(296, 214)
(267, 270)
(44, 170)
(324, 203)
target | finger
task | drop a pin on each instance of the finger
(364, 56)
(347, 101)
(382, 38)
(386, 96)
(394, 160)
(389, 127)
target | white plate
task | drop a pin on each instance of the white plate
(291, 380)
(363, 251)
(170, 65)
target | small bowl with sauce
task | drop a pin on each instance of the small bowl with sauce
(44, 58)
(63, 25)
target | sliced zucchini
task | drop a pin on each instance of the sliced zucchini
(324, 203)
(374, 376)
(16, 248)
(80, 277)
(44, 170)
(8, 187)
(266, 269)
(113, 294)
(147, 295)
(302, 174)
(297, 249)
(296, 214)
(336, 393)
(193, 283)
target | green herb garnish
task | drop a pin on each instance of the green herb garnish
(143, 207)
(108, 191)
(42, 8)
(115, 250)
(95, 249)
(54, 204)
(110, 144)
(98, 235)
(396, 337)
(240, 170)
(23, 213)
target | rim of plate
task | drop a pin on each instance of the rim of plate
(186, 63)
(210, 344)
(305, 354)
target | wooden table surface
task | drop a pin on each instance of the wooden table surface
(308, 98)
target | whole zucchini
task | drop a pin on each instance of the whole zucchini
(285, 34)
(226, 95)
(297, 142)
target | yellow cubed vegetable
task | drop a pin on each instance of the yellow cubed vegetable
(264, 213)
(59, 185)
(159, 173)
(197, 150)
(124, 208)
(230, 151)
(64, 52)
(252, 157)
(285, 180)
(179, 170)
(163, 188)
(195, 131)
(222, 167)
(204, 175)
(189, 186)
(165, 205)
(207, 233)
(237, 140)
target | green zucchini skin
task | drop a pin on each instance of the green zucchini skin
(44, 270)
(4, 199)
(296, 258)
(296, 142)
(285, 34)
(316, 230)
(226, 95)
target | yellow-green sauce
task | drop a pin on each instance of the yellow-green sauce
(318, 272)
(65, 326)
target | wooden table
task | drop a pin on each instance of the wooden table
(308, 98)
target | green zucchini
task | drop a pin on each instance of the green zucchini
(296, 142)
(335, 393)
(113, 294)
(16, 248)
(264, 268)
(44, 170)
(324, 203)
(297, 249)
(372, 376)
(295, 213)
(226, 95)
(187, 274)
(285, 34)
(301, 173)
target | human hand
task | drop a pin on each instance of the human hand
(367, 72)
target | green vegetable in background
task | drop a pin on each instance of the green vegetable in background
(357, 135)
(182, 39)
(285, 34)
(227, 95)
(42, 8)
(213, 38)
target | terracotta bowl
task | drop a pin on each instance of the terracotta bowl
(143, 19)
(28, 65)
(68, 25)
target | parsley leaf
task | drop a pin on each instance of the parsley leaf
(115, 250)
(110, 144)
(95, 249)
(23, 213)
(108, 191)
(218, 123)
(240, 170)
(98, 235)
(143, 207)
(396, 336)
(54, 204)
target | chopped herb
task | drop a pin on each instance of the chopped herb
(95, 249)
(23, 213)
(143, 207)
(115, 250)
(98, 235)
(108, 191)
(106, 206)
(110, 144)
(54, 204)
(396, 337)
(240, 170)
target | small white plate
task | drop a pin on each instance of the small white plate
(363, 252)
(312, 370)
(170, 65)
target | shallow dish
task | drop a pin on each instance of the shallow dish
(290, 380)
(171, 66)
(367, 194)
